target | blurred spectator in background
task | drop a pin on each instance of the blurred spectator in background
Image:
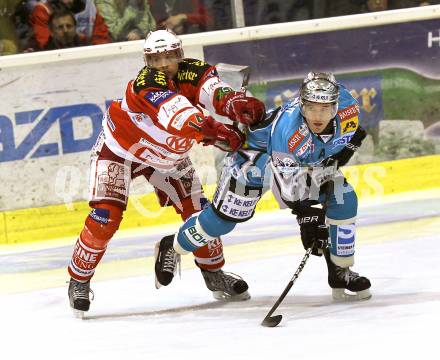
(89, 22)
(127, 19)
(349, 7)
(181, 16)
(344, 7)
(62, 27)
(277, 11)
(221, 14)
(8, 37)
(259, 12)
(402, 4)
(376, 5)
(23, 29)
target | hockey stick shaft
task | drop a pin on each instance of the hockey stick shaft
(290, 284)
(274, 321)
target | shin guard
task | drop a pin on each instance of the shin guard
(210, 256)
(99, 228)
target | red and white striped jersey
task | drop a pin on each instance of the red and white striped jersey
(158, 121)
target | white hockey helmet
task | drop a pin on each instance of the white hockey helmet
(160, 46)
(319, 87)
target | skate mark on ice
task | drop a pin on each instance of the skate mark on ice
(307, 307)
(177, 310)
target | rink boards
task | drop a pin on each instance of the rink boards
(130, 254)
(52, 222)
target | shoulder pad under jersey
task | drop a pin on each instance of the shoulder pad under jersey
(150, 78)
(192, 71)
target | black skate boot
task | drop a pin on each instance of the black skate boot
(341, 279)
(166, 261)
(226, 286)
(79, 297)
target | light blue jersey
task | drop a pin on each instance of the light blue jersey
(283, 143)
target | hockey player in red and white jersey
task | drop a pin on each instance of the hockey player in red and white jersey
(149, 133)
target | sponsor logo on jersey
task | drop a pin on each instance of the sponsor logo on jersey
(160, 78)
(180, 119)
(349, 112)
(343, 140)
(304, 130)
(286, 165)
(211, 84)
(158, 97)
(141, 79)
(198, 63)
(295, 140)
(138, 118)
(156, 147)
(186, 75)
(171, 107)
(179, 144)
(349, 125)
(304, 148)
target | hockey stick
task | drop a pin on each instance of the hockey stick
(272, 321)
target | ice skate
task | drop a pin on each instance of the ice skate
(166, 261)
(79, 297)
(346, 284)
(226, 286)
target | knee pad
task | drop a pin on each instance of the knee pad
(101, 225)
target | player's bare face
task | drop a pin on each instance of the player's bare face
(317, 115)
(167, 62)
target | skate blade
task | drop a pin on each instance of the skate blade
(222, 296)
(157, 284)
(343, 295)
(79, 314)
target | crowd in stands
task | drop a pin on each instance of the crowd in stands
(36, 25)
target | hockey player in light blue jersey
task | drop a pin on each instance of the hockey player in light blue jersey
(298, 146)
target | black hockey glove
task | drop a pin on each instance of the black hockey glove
(314, 232)
(344, 156)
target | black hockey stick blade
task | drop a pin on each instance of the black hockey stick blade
(272, 321)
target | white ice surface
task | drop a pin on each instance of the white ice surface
(129, 319)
